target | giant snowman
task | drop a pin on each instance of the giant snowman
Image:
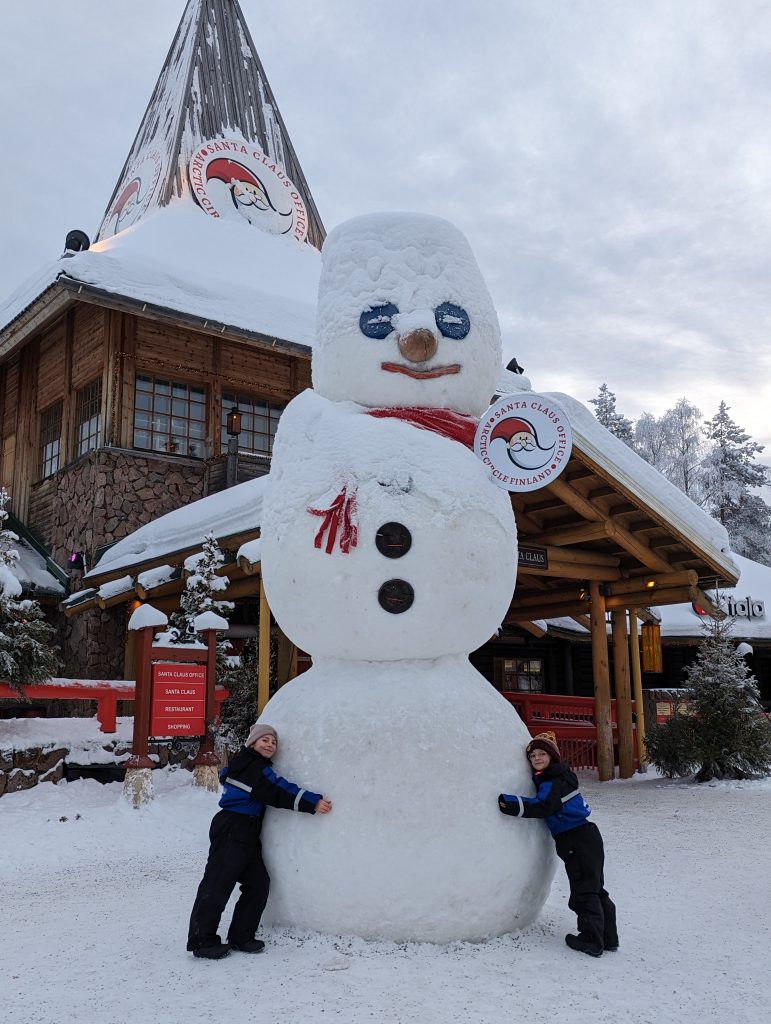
(389, 554)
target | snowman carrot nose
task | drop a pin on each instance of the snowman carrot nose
(418, 345)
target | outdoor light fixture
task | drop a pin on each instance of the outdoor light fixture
(78, 560)
(583, 593)
(650, 584)
(234, 422)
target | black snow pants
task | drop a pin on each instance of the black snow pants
(235, 857)
(582, 851)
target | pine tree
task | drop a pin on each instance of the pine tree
(28, 654)
(731, 474)
(605, 411)
(723, 733)
(239, 711)
(200, 595)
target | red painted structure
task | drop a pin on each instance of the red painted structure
(571, 719)
(105, 692)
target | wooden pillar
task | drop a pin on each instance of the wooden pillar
(263, 652)
(623, 695)
(285, 659)
(642, 757)
(144, 646)
(601, 684)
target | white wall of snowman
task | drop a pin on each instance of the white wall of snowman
(389, 554)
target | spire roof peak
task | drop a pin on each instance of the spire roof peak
(213, 134)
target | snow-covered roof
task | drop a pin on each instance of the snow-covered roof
(31, 571)
(235, 510)
(637, 477)
(749, 603)
(183, 261)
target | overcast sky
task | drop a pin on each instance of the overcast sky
(610, 162)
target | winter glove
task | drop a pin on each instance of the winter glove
(509, 805)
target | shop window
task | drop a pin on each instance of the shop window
(50, 440)
(259, 420)
(169, 416)
(88, 417)
(523, 675)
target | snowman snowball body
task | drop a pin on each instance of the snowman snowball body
(388, 555)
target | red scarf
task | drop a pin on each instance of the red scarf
(455, 425)
(340, 516)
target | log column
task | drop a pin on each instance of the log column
(642, 756)
(623, 696)
(601, 684)
(263, 651)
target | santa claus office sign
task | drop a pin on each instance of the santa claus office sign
(178, 702)
(230, 178)
(525, 441)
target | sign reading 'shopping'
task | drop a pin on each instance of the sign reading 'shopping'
(525, 441)
(229, 178)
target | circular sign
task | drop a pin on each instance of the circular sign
(134, 195)
(236, 179)
(525, 441)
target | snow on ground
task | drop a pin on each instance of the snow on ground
(95, 911)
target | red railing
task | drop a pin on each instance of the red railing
(571, 719)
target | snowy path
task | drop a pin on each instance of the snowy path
(94, 912)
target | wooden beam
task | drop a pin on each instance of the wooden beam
(574, 571)
(175, 585)
(601, 674)
(623, 695)
(700, 598)
(579, 556)
(530, 627)
(578, 534)
(583, 620)
(570, 496)
(640, 550)
(122, 598)
(653, 598)
(661, 580)
(554, 611)
(637, 688)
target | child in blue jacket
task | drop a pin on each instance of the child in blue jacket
(235, 853)
(578, 842)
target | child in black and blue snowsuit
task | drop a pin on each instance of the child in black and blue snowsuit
(235, 853)
(578, 842)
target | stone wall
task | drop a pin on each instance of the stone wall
(23, 769)
(111, 492)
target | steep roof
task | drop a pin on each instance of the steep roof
(211, 220)
(212, 89)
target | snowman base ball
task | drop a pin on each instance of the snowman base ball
(415, 848)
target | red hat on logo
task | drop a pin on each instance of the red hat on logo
(509, 427)
(126, 194)
(226, 170)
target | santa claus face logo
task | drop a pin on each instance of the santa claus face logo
(525, 441)
(236, 179)
(134, 196)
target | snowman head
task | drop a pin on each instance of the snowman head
(404, 317)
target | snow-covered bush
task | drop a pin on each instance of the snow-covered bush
(28, 653)
(722, 733)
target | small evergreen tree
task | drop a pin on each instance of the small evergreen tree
(200, 595)
(605, 411)
(723, 733)
(730, 467)
(28, 653)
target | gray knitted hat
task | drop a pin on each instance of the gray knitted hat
(260, 729)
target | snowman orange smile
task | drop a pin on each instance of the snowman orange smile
(410, 371)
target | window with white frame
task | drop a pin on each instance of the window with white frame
(50, 440)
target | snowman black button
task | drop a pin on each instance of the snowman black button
(393, 540)
(396, 596)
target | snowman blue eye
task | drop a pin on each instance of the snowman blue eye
(452, 321)
(376, 322)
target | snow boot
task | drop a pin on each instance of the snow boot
(250, 946)
(584, 944)
(611, 944)
(212, 952)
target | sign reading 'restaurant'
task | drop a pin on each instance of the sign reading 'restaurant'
(229, 178)
(178, 700)
(525, 441)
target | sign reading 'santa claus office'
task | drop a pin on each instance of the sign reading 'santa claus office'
(525, 440)
(231, 178)
(178, 705)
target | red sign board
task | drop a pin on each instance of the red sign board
(178, 705)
